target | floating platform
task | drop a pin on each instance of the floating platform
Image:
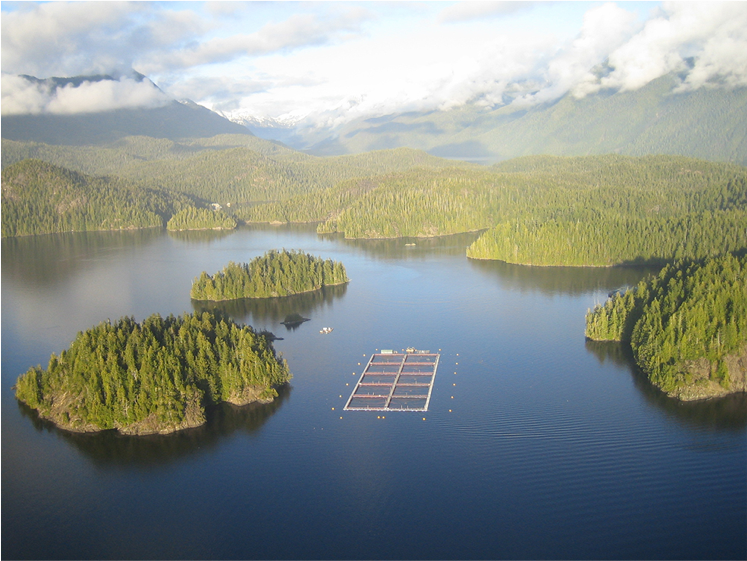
(395, 382)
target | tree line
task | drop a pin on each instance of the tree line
(193, 218)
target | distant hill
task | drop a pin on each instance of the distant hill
(176, 120)
(709, 123)
(41, 198)
(224, 168)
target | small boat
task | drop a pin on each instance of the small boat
(325, 330)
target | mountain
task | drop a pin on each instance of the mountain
(708, 123)
(175, 120)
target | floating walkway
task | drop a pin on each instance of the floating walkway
(395, 382)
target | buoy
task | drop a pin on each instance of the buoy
(333, 409)
(449, 410)
(452, 397)
(424, 418)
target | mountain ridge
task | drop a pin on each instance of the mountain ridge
(708, 123)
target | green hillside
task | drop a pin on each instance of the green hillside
(224, 169)
(40, 198)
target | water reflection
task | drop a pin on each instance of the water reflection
(723, 413)
(561, 280)
(275, 310)
(42, 261)
(412, 248)
(200, 236)
(110, 448)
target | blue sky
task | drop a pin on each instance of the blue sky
(329, 62)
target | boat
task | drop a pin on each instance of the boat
(325, 330)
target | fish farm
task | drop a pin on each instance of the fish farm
(395, 382)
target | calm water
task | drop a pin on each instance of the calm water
(537, 444)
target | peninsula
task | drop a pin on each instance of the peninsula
(687, 326)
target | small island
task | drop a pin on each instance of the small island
(294, 320)
(687, 326)
(154, 377)
(276, 273)
(192, 218)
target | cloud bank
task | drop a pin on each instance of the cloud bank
(23, 96)
(328, 63)
(712, 35)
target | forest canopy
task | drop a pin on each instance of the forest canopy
(543, 210)
(276, 273)
(153, 377)
(41, 198)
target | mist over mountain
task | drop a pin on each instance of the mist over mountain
(709, 123)
(88, 110)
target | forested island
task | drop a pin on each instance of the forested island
(687, 326)
(192, 218)
(276, 273)
(157, 376)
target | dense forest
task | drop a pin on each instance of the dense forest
(687, 326)
(192, 218)
(587, 211)
(540, 210)
(234, 169)
(40, 198)
(153, 377)
(604, 240)
(276, 273)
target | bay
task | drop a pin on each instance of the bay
(537, 443)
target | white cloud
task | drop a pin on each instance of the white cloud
(470, 11)
(59, 37)
(714, 33)
(338, 61)
(604, 29)
(22, 96)
(299, 30)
